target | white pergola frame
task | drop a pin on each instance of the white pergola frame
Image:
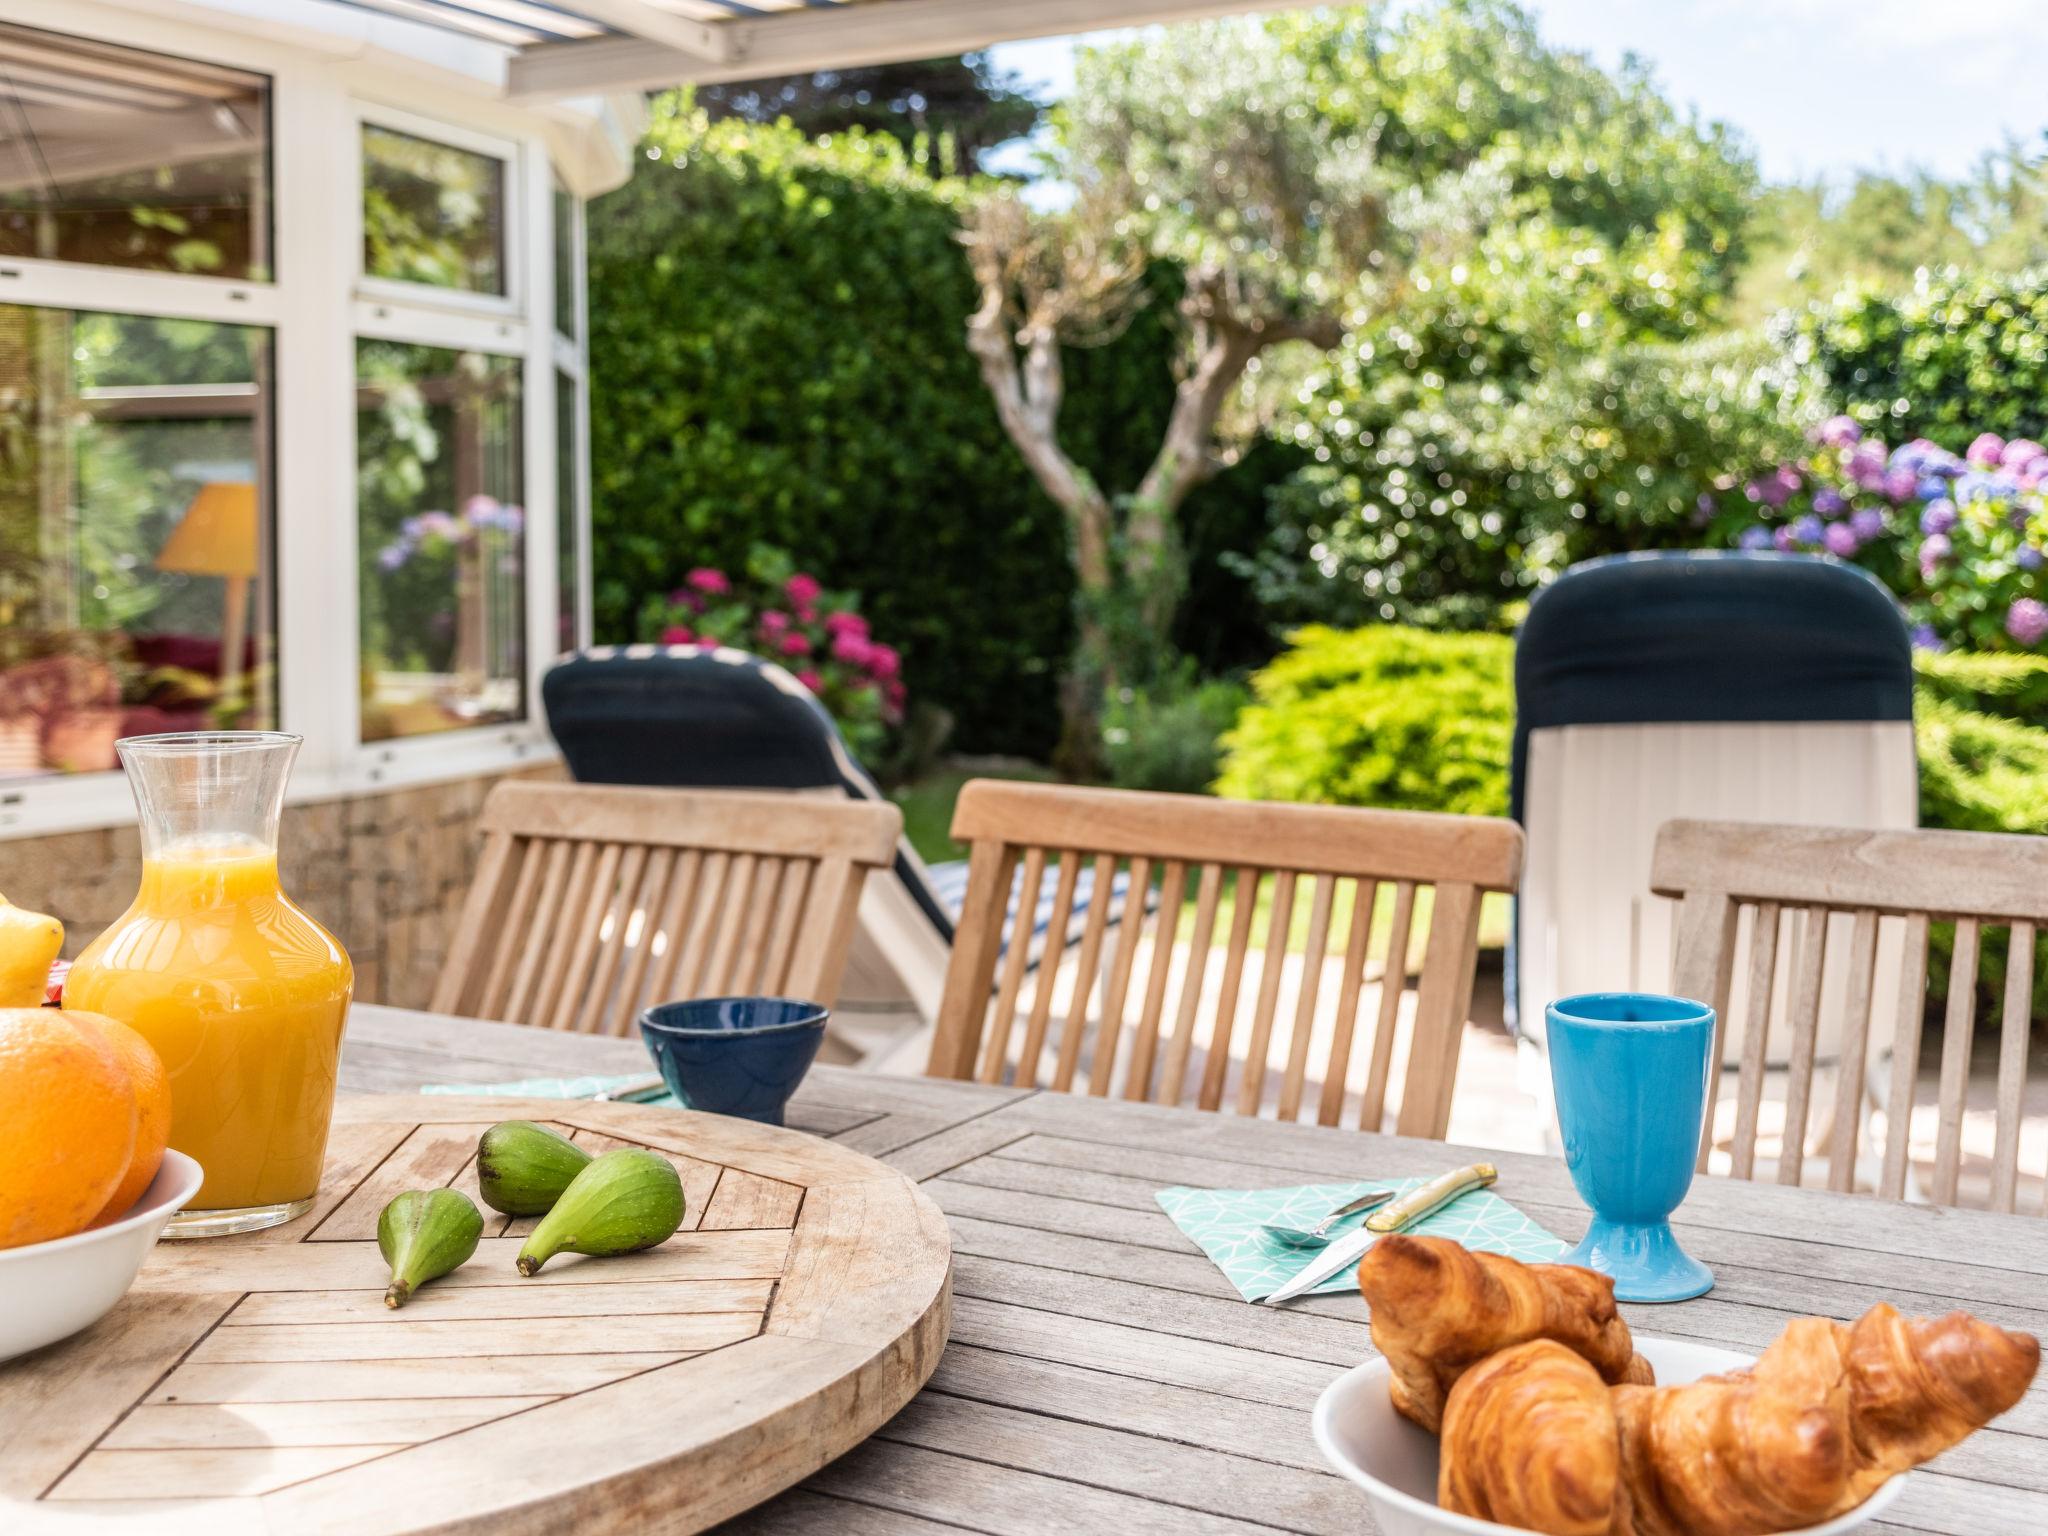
(658, 48)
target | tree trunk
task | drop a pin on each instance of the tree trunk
(1027, 398)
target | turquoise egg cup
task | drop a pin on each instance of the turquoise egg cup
(1630, 1073)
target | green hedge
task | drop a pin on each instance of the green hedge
(778, 356)
(1963, 353)
(1418, 720)
(1406, 719)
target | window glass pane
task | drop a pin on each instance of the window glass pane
(131, 159)
(443, 531)
(135, 560)
(568, 512)
(565, 261)
(432, 213)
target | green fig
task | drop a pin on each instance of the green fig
(423, 1234)
(624, 1201)
(522, 1168)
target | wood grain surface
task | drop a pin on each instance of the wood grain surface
(1103, 1376)
(259, 1384)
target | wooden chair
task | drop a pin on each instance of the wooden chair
(1797, 878)
(591, 901)
(1365, 857)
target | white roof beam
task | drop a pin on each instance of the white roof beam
(835, 37)
(701, 42)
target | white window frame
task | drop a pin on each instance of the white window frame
(510, 305)
(417, 313)
(314, 306)
(571, 357)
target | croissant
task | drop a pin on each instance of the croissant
(1807, 1433)
(1438, 1308)
(1530, 1439)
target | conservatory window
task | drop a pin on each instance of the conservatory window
(434, 213)
(122, 158)
(135, 534)
(442, 535)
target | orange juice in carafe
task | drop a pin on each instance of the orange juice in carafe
(241, 993)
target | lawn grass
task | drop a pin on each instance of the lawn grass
(927, 805)
(927, 808)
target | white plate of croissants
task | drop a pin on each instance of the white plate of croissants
(1512, 1397)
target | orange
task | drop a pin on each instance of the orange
(68, 1122)
(152, 1088)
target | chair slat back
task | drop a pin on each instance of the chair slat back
(1148, 1009)
(1801, 891)
(593, 901)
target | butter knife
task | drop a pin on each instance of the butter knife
(1404, 1212)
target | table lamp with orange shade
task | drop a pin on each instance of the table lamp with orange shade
(218, 536)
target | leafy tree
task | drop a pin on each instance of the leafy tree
(1881, 230)
(1536, 396)
(946, 112)
(1431, 193)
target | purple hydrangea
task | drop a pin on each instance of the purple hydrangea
(1925, 639)
(1841, 539)
(2020, 452)
(1867, 462)
(1784, 541)
(2029, 558)
(1774, 489)
(1934, 549)
(1867, 522)
(2027, 621)
(1987, 450)
(1829, 502)
(1807, 529)
(1939, 517)
(1756, 536)
(1900, 483)
(1839, 432)
(1931, 487)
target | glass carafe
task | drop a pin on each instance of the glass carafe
(241, 993)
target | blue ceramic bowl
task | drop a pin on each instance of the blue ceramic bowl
(738, 1056)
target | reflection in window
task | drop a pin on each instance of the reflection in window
(442, 526)
(432, 213)
(568, 567)
(565, 262)
(134, 533)
(130, 159)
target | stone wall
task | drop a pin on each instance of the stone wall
(385, 873)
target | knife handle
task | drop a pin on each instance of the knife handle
(1433, 1196)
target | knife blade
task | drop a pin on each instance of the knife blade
(1404, 1212)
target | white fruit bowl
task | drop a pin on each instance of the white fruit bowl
(1395, 1462)
(48, 1291)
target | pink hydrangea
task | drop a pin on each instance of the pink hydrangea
(885, 661)
(794, 643)
(854, 650)
(811, 680)
(2027, 621)
(675, 634)
(803, 591)
(846, 623)
(774, 622)
(707, 580)
(1987, 450)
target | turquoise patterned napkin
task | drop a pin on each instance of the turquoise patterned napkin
(1225, 1224)
(550, 1088)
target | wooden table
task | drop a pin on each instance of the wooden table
(1103, 1376)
